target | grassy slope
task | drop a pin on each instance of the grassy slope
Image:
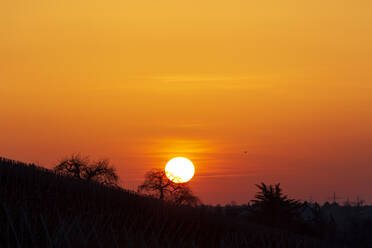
(41, 209)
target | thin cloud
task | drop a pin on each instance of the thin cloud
(217, 176)
(177, 82)
(182, 81)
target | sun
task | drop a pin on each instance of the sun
(179, 170)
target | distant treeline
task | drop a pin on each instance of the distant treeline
(40, 208)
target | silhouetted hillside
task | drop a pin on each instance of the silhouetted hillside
(41, 209)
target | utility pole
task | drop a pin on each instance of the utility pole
(335, 198)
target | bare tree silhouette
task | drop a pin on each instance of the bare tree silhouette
(158, 185)
(182, 195)
(80, 167)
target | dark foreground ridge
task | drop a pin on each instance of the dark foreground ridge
(41, 209)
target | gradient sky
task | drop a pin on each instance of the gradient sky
(273, 91)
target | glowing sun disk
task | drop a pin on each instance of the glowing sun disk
(180, 170)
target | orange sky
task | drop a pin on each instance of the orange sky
(250, 91)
